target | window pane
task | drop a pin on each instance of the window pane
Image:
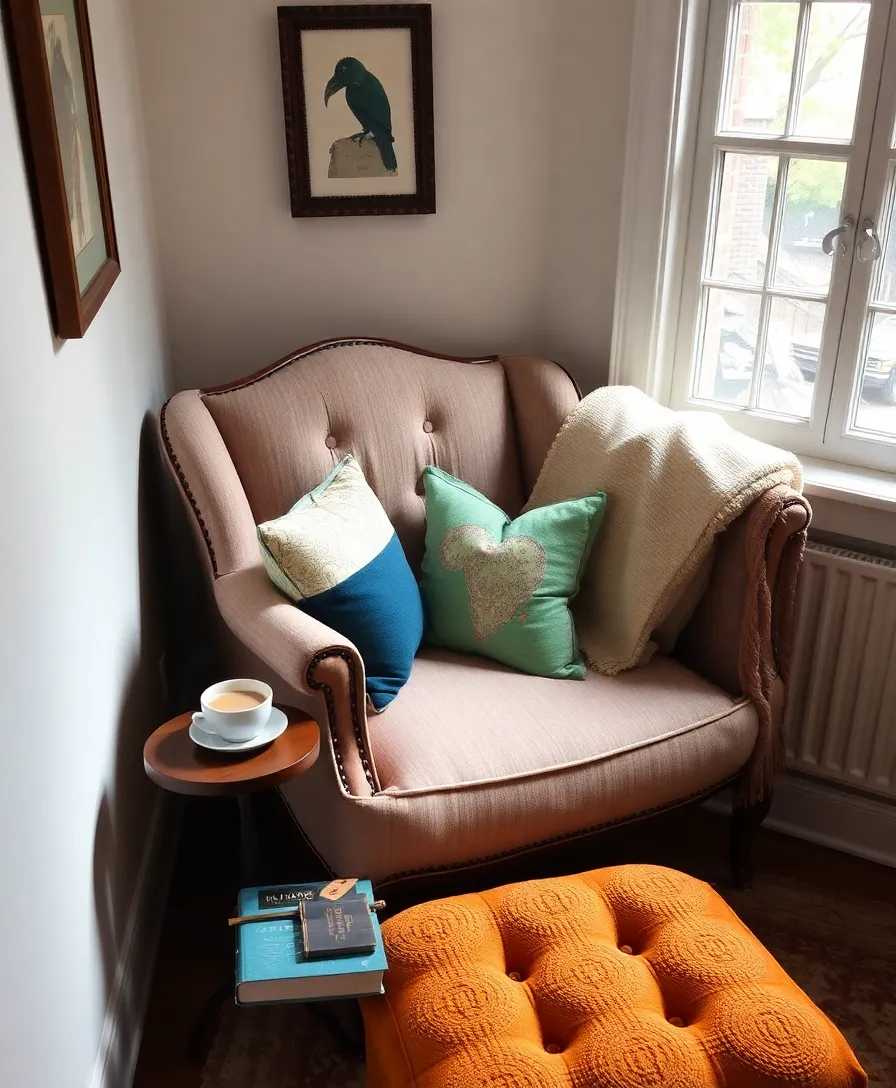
(884, 286)
(811, 208)
(829, 87)
(793, 343)
(728, 346)
(740, 249)
(760, 66)
(876, 410)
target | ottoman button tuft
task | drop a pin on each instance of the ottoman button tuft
(552, 1048)
(514, 976)
(626, 948)
(676, 1021)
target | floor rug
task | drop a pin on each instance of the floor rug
(838, 947)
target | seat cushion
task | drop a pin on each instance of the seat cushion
(476, 760)
(462, 719)
(633, 976)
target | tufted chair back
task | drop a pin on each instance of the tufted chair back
(246, 452)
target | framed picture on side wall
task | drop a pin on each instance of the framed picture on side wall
(62, 136)
(357, 98)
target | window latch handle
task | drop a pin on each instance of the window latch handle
(827, 243)
(868, 248)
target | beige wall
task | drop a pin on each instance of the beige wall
(76, 656)
(592, 61)
(529, 103)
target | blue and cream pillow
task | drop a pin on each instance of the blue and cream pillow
(336, 555)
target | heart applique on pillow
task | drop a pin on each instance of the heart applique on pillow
(502, 588)
(500, 577)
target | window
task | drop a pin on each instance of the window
(787, 314)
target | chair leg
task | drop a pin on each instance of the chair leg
(745, 822)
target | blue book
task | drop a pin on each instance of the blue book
(271, 964)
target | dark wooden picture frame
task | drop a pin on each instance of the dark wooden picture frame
(416, 18)
(73, 306)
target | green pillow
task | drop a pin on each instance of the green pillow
(502, 588)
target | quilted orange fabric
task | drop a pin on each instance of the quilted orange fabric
(628, 977)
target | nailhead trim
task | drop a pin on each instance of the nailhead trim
(169, 449)
(327, 691)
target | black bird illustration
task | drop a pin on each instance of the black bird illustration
(368, 101)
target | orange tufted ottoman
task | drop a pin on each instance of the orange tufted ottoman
(628, 977)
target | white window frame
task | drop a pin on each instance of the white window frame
(669, 52)
(668, 49)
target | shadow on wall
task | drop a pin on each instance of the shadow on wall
(162, 682)
(190, 638)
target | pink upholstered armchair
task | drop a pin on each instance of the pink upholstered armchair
(472, 760)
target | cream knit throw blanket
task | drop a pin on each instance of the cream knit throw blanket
(673, 480)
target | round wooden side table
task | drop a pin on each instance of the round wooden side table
(175, 763)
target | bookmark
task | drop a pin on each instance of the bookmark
(336, 889)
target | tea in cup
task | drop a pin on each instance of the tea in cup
(237, 710)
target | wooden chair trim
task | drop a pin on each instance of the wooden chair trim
(339, 342)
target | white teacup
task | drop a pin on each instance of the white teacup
(228, 709)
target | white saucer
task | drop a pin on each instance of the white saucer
(273, 727)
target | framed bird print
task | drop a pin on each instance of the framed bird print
(357, 97)
(63, 142)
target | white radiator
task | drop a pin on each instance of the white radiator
(841, 718)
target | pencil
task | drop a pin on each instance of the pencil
(293, 912)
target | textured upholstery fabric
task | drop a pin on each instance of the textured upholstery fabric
(542, 398)
(394, 410)
(270, 625)
(209, 484)
(682, 608)
(474, 759)
(555, 725)
(634, 976)
(711, 640)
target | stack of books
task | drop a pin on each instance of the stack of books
(323, 948)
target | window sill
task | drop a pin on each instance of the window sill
(846, 483)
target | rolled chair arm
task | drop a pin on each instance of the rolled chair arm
(312, 658)
(711, 643)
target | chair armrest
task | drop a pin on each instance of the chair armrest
(711, 642)
(312, 658)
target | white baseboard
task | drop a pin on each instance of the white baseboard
(122, 1031)
(811, 809)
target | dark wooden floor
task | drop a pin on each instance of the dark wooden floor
(196, 949)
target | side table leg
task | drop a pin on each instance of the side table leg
(250, 850)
